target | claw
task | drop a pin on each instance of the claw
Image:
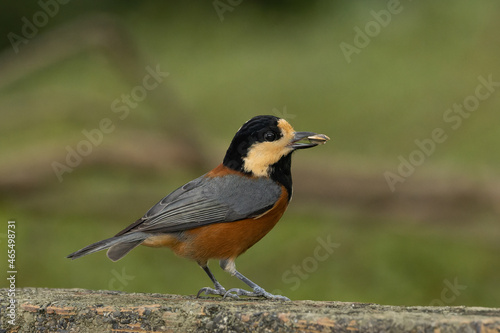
(210, 291)
(258, 292)
(237, 292)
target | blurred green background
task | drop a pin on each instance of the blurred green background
(434, 240)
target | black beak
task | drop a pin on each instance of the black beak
(311, 140)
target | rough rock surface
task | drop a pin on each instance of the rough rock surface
(79, 310)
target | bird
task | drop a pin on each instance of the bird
(224, 212)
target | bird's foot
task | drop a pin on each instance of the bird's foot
(210, 291)
(218, 291)
(257, 292)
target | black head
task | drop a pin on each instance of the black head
(262, 147)
(260, 130)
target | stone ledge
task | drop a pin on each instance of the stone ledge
(79, 310)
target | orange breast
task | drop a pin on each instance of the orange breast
(222, 170)
(230, 239)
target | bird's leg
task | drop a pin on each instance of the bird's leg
(219, 289)
(229, 266)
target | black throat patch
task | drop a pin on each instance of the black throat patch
(281, 172)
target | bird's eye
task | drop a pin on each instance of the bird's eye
(269, 136)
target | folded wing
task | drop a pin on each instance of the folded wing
(207, 200)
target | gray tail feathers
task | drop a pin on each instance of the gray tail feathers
(118, 246)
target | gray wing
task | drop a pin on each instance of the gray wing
(208, 200)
